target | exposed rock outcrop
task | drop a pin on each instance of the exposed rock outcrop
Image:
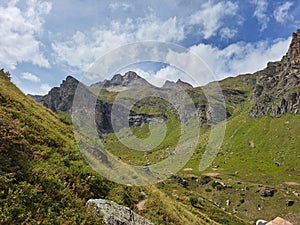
(277, 89)
(59, 98)
(114, 214)
(62, 98)
(276, 221)
(267, 192)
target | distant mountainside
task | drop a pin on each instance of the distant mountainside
(121, 83)
(274, 90)
(178, 84)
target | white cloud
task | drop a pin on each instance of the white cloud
(45, 88)
(30, 77)
(261, 13)
(84, 48)
(120, 5)
(20, 29)
(152, 28)
(239, 58)
(281, 13)
(210, 17)
(227, 33)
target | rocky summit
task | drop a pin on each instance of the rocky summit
(121, 83)
(277, 90)
(179, 84)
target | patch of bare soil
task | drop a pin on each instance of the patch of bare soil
(292, 183)
(212, 174)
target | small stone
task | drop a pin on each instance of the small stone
(204, 180)
(267, 192)
(289, 203)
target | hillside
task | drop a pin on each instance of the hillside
(44, 179)
(255, 174)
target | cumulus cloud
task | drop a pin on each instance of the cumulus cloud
(84, 48)
(120, 5)
(227, 33)
(20, 28)
(210, 17)
(261, 13)
(240, 57)
(235, 59)
(30, 77)
(281, 13)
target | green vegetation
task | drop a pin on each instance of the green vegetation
(44, 179)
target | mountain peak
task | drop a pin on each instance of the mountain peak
(183, 84)
(178, 84)
(122, 82)
(131, 75)
(70, 80)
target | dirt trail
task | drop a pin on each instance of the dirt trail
(141, 204)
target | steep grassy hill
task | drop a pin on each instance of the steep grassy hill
(44, 179)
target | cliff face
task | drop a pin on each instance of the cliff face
(60, 98)
(277, 89)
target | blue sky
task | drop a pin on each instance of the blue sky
(44, 41)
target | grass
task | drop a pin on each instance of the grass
(44, 178)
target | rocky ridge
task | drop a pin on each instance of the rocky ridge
(277, 89)
(179, 84)
(121, 83)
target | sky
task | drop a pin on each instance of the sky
(42, 42)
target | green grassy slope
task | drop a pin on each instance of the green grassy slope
(44, 179)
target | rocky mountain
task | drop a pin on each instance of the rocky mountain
(121, 83)
(277, 90)
(274, 91)
(175, 85)
(59, 98)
